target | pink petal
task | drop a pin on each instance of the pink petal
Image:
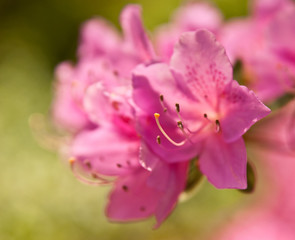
(148, 100)
(281, 33)
(240, 37)
(271, 79)
(223, 163)
(160, 80)
(67, 111)
(241, 109)
(110, 108)
(147, 158)
(201, 65)
(190, 17)
(132, 199)
(135, 34)
(138, 195)
(266, 8)
(98, 105)
(98, 37)
(108, 152)
(195, 16)
(176, 184)
(283, 121)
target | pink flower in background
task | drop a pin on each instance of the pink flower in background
(190, 17)
(100, 39)
(103, 56)
(281, 32)
(199, 109)
(268, 8)
(272, 213)
(247, 40)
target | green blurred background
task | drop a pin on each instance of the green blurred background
(39, 197)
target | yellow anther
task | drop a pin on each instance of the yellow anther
(157, 115)
(72, 160)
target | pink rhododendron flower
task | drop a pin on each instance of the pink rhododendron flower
(190, 17)
(271, 215)
(212, 110)
(98, 89)
(139, 123)
(247, 40)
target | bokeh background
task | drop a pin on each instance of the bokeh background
(39, 196)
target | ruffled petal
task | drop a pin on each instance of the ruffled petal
(143, 193)
(176, 184)
(67, 111)
(134, 33)
(98, 37)
(160, 80)
(241, 109)
(223, 163)
(200, 63)
(132, 199)
(98, 105)
(108, 152)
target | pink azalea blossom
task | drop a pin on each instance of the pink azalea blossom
(138, 123)
(271, 214)
(190, 17)
(98, 91)
(199, 110)
(248, 40)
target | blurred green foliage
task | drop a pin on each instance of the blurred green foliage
(40, 198)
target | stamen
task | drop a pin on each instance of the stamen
(162, 103)
(217, 125)
(157, 115)
(180, 125)
(206, 117)
(158, 140)
(101, 181)
(177, 107)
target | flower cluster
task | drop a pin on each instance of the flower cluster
(142, 116)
